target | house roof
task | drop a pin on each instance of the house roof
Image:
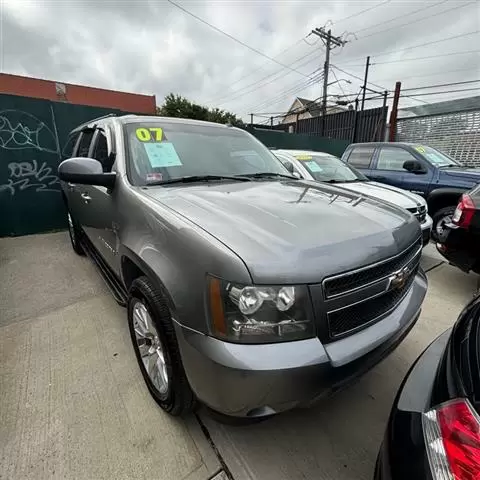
(449, 106)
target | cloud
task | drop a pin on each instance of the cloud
(152, 47)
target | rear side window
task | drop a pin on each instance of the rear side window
(100, 152)
(84, 145)
(361, 157)
(67, 151)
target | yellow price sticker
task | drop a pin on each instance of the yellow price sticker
(149, 134)
(420, 149)
(303, 157)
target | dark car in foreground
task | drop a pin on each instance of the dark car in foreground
(460, 242)
(422, 169)
(433, 432)
(246, 288)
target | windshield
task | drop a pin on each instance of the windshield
(435, 157)
(163, 151)
(328, 168)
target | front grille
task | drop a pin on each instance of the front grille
(420, 213)
(346, 282)
(351, 318)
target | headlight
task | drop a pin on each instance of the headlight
(259, 314)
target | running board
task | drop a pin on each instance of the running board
(116, 288)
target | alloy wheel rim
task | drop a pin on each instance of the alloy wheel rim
(441, 224)
(150, 347)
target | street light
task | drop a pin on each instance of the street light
(338, 81)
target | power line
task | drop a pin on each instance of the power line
(357, 77)
(463, 52)
(261, 83)
(263, 66)
(292, 90)
(430, 93)
(443, 72)
(356, 14)
(401, 16)
(258, 52)
(441, 85)
(456, 7)
(400, 50)
(429, 43)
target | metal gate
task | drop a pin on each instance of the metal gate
(457, 134)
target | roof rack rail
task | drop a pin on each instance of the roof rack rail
(93, 120)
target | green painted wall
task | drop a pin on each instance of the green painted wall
(33, 133)
(274, 138)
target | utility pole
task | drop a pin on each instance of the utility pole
(393, 114)
(330, 42)
(364, 88)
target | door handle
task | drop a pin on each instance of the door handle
(71, 186)
(86, 197)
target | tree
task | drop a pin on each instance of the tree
(180, 107)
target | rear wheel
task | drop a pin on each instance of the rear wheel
(156, 348)
(440, 219)
(74, 232)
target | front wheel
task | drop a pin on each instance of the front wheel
(440, 219)
(156, 348)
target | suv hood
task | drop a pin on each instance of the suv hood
(470, 175)
(293, 231)
(397, 196)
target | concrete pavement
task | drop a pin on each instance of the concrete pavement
(73, 404)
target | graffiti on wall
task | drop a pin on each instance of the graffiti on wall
(25, 175)
(21, 130)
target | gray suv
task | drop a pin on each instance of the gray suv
(246, 288)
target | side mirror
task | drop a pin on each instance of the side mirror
(85, 171)
(289, 166)
(413, 166)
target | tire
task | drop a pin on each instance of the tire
(439, 219)
(165, 378)
(74, 233)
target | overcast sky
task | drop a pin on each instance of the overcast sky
(156, 48)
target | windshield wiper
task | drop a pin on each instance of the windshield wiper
(451, 165)
(266, 175)
(333, 180)
(200, 178)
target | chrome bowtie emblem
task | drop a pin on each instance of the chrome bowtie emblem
(398, 279)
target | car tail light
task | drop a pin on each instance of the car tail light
(464, 212)
(452, 439)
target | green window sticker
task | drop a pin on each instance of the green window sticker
(162, 155)
(313, 166)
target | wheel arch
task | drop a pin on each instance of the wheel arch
(132, 266)
(444, 197)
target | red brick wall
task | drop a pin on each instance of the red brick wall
(77, 94)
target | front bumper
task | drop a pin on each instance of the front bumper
(426, 227)
(257, 380)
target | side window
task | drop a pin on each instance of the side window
(84, 145)
(67, 151)
(100, 152)
(361, 157)
(393, 159)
